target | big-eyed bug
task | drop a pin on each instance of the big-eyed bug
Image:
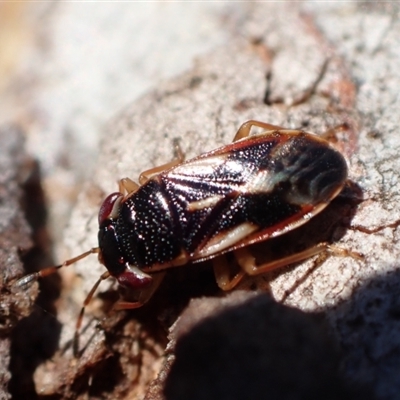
(260, 186)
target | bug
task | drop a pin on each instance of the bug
(258, 187)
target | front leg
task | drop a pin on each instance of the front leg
(144, 296)
(148, 174)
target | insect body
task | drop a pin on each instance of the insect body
(258, 187)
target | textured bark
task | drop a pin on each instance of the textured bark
(14, 240)
(317, 67)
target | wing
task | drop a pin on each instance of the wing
(253, 189)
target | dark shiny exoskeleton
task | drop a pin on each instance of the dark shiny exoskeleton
(255, 188)
(258, 187)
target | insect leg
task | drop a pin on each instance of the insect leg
(127, 186)
(148, 174)
(248, 263)
(332, 134)
(89, 297)
(120, 305)
(222, 274)
(245, 129)
(144, 296)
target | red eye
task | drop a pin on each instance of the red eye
(110, 207)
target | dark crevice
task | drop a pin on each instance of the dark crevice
(35, 338)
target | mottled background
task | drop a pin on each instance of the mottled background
(91, 92)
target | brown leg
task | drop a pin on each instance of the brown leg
(89, 297)
(179, 158)
(245, 129)
(248, 264)
(331, 135)
(144, 296)
(127, 186)
(222, 274)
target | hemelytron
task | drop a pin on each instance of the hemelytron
(260, 186)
